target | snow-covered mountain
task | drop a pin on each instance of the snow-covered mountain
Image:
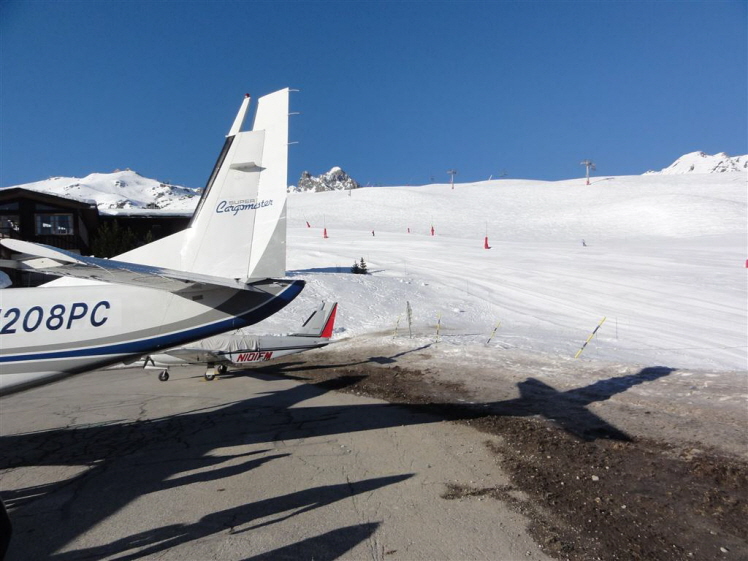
(334, 180)
(699, 162)
(120, 190)
(127, 191)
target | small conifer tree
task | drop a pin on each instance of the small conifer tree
(359, 267)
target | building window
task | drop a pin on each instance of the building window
(9, 223)
(55, 224)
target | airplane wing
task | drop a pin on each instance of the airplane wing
(58, 262)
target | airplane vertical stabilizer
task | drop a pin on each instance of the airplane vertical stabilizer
(320, 323)
(239, 228)
(268, 252)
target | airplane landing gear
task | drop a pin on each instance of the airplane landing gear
(163, 375)
(212, 371)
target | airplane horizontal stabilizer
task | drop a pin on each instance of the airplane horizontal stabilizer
(58, 262)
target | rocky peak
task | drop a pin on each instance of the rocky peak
(334, 180)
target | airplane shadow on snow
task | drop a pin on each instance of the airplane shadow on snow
(131, 459)
(567, 409)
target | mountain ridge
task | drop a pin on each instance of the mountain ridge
(126, 191)
(700, 162)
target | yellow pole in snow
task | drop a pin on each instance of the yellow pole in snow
(498, 324)
(397, 324)
(579, 352)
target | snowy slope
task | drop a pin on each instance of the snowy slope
(120, 190)
(664, 262)
(699, 162)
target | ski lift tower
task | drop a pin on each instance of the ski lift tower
(452, 173)
(589, 164)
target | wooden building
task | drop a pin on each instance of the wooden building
(73, 225)
(48, 219)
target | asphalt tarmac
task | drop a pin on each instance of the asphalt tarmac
(117, 465)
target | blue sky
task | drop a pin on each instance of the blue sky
(393, 92)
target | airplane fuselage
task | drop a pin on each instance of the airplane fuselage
(47, 332)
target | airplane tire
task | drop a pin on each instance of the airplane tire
(163, 375)
(221, 368)
(210, 377)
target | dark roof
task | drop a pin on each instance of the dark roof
(21, 193)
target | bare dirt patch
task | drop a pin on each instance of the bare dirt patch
(590, 490)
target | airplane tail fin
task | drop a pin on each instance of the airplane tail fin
(238, 230)
(320, 324)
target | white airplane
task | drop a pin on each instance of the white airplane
(217, 275)
(239, 349)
